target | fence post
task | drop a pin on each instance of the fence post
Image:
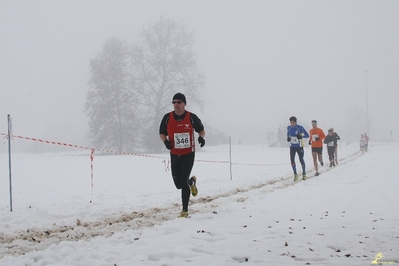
(9, 158)
(231, 174)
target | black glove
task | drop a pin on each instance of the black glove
(299, 136)
(201, 141)
(167, 144)
(310, 142)
(317, 139)
(288, 139)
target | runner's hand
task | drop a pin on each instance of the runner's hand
(167, 144)
(299, 136)
(201, 141)
(288, 139)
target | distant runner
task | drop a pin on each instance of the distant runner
(366, 142)
(331, 142)
(336, 146)
(295, 135)
(316, 141)
(362, 144)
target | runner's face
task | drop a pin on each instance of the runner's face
(314, 125)
(293, 123)
(178, 106)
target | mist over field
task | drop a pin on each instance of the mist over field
(263, 61)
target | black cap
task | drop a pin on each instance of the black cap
(180, 96)
(293, 118)
(314, 121)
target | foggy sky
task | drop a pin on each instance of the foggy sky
(263, 61)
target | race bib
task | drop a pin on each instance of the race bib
(314, 137)
(182, 140)
(294, 140)
(330, 144)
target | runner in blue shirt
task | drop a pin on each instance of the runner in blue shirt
(295, 135)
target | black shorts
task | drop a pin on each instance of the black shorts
(319, 150)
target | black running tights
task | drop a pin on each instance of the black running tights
(181, 168)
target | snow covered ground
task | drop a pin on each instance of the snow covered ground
(346, 216)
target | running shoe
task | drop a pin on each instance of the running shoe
(193, 187)
(183, 214)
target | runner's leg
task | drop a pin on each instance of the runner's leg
(301, 154)
(292, 158)
(320, 156)
(314, 156)
(186, 167)
(176, 170)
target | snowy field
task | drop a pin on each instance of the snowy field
(346, 216)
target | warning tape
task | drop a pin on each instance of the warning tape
(165, 161)
(92, 150)
(249, 164)
(82, 147)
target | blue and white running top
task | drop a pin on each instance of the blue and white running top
(293, 131)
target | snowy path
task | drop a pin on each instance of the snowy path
(38, 238)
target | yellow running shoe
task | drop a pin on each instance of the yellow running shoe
(295, 177)
(183, 214)
(193, 187)
(304, 176)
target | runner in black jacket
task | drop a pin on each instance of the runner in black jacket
(176, 131)
(331, 141)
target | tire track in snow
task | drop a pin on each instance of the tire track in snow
(35, 239)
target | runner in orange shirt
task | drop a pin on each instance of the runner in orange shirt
(316, 141)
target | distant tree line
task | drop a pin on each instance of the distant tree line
(131, 86)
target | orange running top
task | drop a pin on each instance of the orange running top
(317, 133)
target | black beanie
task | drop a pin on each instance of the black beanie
(293, 118)
(180, 96)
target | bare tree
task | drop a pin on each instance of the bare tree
(163, 64)
(110, 103)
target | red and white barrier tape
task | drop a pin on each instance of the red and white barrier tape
(92, 150)
(82, 147)
(165, 161)
(248, 164)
